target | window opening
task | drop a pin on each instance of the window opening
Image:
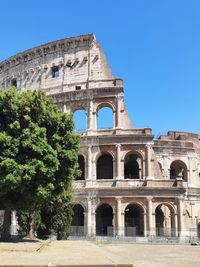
(80, 120)
(105, 167)
(55, 71)
(105, 118)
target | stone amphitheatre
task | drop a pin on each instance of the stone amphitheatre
(132, 185)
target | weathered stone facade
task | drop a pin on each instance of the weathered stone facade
(131, 184)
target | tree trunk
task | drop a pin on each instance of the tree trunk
(5, 235)
(31, 227)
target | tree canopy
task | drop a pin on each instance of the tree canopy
(38, 151)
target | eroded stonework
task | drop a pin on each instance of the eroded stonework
(131, 183)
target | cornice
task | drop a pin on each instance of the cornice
(44, 49)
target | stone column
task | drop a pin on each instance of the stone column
(180, 216)
(148, 161)
(89, 163)
(153, 224)
(119, 217)
(13, 227)
(90, 119)
(64, 108)
(117, 113)
(89, 217)
(189, 172)
(150, 216)
(145, 223)
(165, 167)
(176, 224)
(93, 223)
(118, 165)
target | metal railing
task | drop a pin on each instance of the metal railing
(133, 234)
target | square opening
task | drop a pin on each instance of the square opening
(55, 71)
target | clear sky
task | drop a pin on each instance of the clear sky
(153, 44)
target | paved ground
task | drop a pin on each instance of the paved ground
(84, 253)
(141, 255)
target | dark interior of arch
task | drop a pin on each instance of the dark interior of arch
(78, 217)
(134, 221)
(159, 222)
(104, 220)
(81, 163)
(198, 229)
(105, 167)
(131, 167)
(177, 170)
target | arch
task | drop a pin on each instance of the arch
(138, 204)
(80, 119)
(198, 230)
(165, 220)
(104, 152)
(134, 152)
(105, 166)
(104, 220)
(105, 105)
(132, 166)
(134, 220)
(178, 169)
(105, 117)
(78, 220)
(81, 163)
(78, 216)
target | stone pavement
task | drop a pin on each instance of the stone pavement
(85, 253)
(56, 253)
(156, 255)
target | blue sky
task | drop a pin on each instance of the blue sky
(153, 44)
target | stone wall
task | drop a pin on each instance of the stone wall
(75, 74)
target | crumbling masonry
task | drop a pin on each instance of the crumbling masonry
(131, 184)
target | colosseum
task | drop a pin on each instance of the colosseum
(132, 185)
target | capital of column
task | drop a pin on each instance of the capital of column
(149, 198)
(149, 145)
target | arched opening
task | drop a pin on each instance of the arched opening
(105, 167)
(134, 221)
(78, 220)
(81, 163)
(178, 169)
(165, 221)
(132, 167)
(105, 118)
(159, 222)
(104, 220)
(80, 120)
(198, 230)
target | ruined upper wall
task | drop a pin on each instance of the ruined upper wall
(76, 62)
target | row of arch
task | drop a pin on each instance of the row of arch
(133, 167)
(133, 220)
(104, 167)
(104, 117)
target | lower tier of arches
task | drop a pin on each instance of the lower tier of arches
(116, 217)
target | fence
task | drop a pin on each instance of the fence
(131, 234)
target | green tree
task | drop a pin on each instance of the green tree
(38, 153)
(56, 218)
